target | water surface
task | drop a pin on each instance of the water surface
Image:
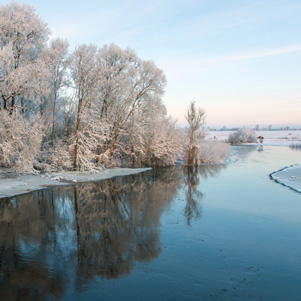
(220, 232)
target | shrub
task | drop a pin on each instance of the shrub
(213, 151)
(20, 141)
(243, 135)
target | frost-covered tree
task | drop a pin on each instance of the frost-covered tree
(128, 83)
(57, 58)
(23, 74)
(115, 115)
(152, 138)
(196, 119)
(166, 145)
(85, 76)
(133, 147)
(162, 140)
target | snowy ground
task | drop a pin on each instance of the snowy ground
(289, 176)
(13, 184)
(273, 138)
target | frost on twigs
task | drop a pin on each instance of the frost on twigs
(20, 140)
(213, 151)
(97, 107)
(162, 141)
(243, 135)
(196, 119)
(59, 158)
(23, 74)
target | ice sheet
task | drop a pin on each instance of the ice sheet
(289, 176)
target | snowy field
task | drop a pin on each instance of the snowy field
(11, 185)
(272, 138)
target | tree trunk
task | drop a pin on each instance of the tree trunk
(53, 119)
(4, 104)
(12, 105)
(80, 101)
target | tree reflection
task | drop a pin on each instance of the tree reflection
(52, 237)
(55, 238)
(211, 170)
(26, 227)
(117, 223)
(193, 207)
(192, 176)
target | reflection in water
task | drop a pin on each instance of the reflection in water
(244, 151)
(192, 176)
(193, 195)
(295, 146)
(210, 171)
(260, 148)
(52, 237)
(27, 229)
(117, 224)
(59, 238)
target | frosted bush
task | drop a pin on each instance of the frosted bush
(61, 158)
(213, 151)
(20, 141)
(243, 135)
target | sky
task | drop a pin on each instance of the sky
(240, 60)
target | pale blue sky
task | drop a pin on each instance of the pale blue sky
(239, 60)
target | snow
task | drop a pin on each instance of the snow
(271, 138)
(289, 176)
(13, 184)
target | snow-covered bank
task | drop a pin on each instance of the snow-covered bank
(11, 184)
(289, 176)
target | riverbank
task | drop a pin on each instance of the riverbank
(289, 176)
(15, 184)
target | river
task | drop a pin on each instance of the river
(217, 232)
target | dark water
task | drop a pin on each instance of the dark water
(212, 233)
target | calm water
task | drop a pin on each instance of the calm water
(212, 233)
